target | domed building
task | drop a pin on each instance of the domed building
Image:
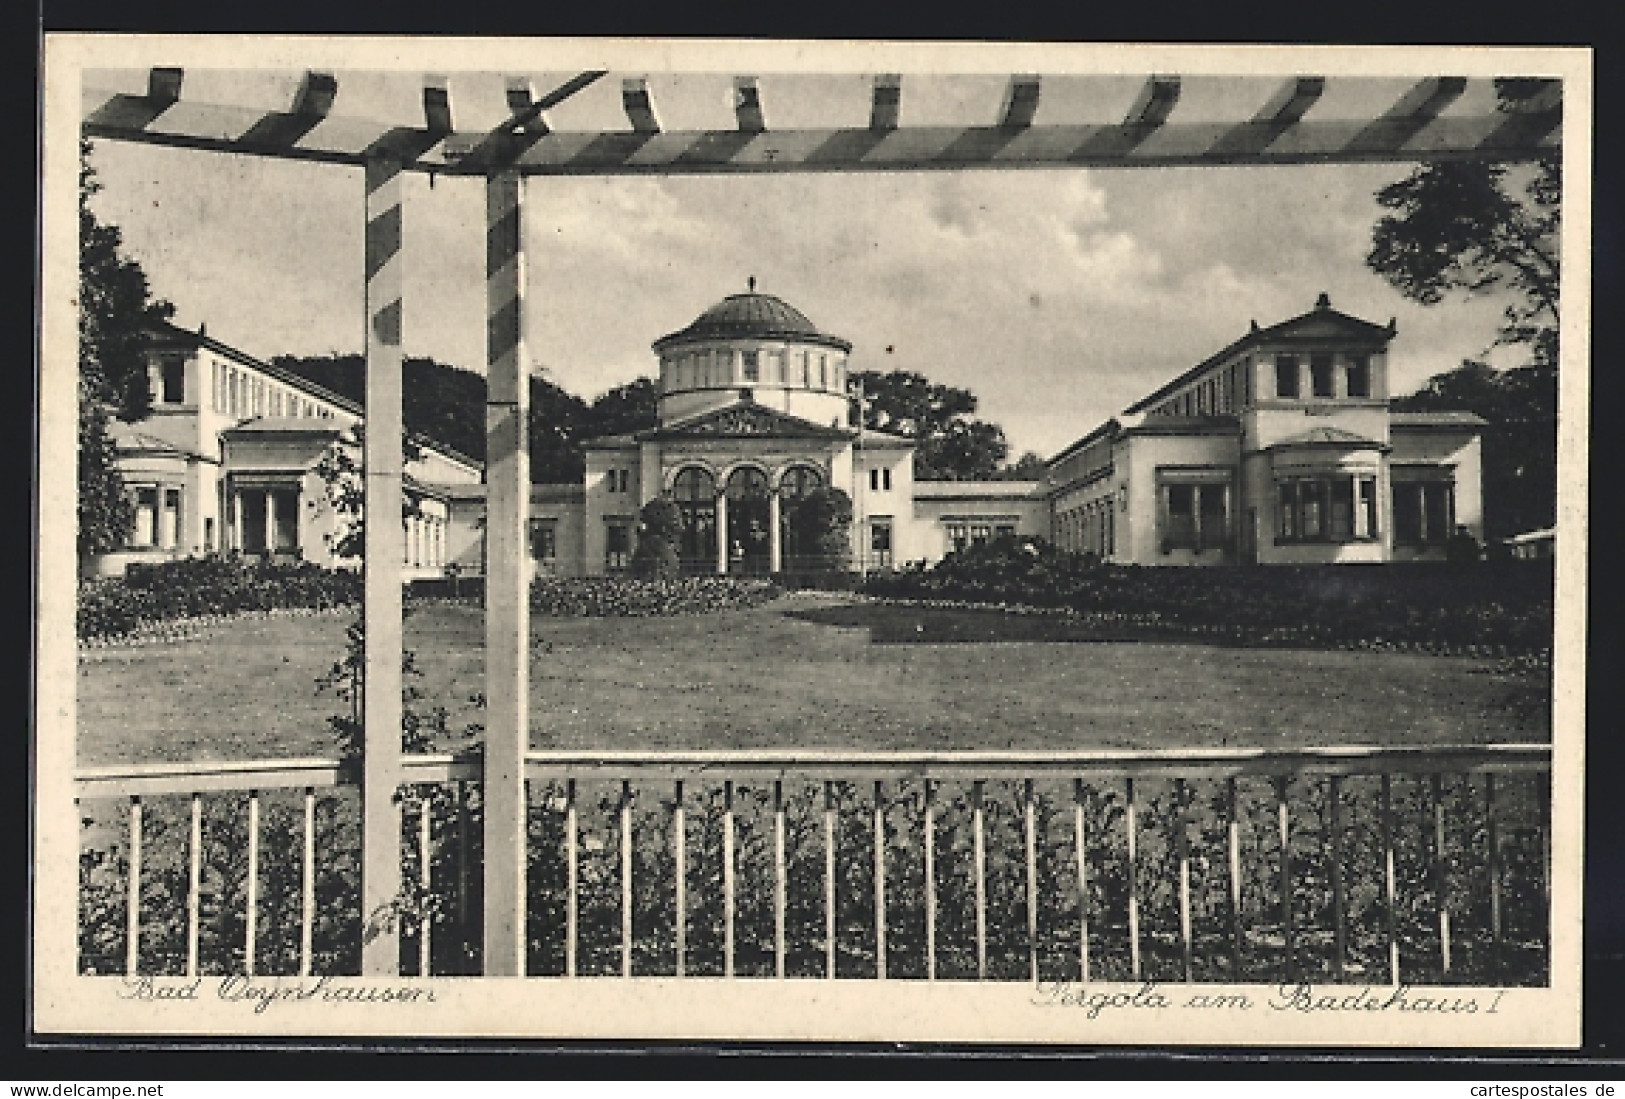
(753, 416)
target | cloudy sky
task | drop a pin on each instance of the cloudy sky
(1058, 297)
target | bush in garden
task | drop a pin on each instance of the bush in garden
(1500, 609)
(206, 587)
(659, 526)
(826, 515)
(630, 597)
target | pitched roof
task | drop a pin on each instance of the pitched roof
(1322, 324)
(287, 425)
(1327, 436)
(128, 440)
(171, 334)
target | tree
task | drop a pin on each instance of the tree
(1519, 444)
(116, 308)
(625, 409)
(660, 524)
(1029, 467)
(826, 515)
(1477, 227)
(951, 445)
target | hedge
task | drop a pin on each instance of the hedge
(1505, 607)
(204, 588)
(631, 597)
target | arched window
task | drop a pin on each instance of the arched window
(695, 492)
(748, 539)
(800, 548)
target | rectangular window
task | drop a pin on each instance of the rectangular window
(1180, 506)
(145, 531)
(617, 546)
(1329, 508)
(1004, 530)
(874, 480)
(208, 532)
(1320, 376)
(285, 533)
(801, 369)
(885, 480)
(1359, 376)
(1286, 376)
(544, 540)
(169, 522)
(753, 366)
(823, 372)
(172, 378)
(880, 543)
(1247, 382)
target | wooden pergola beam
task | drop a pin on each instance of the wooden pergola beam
(1524, 127)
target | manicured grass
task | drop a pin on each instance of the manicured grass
(792, 674)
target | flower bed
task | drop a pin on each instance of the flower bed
(206, 589)
(627, 597)
(1494, 609)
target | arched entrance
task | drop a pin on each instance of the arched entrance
(799, 540)
(749, 546)
(695, 493)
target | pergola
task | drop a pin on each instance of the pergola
(1524, 125)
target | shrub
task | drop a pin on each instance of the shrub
(202, 587)
(628, 597)
(1503, 607)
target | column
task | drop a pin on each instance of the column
(507, 578)
(775, 545)
(270, 522)
(722, 532)
(236, 497)
(381, 465)
(1357, 521)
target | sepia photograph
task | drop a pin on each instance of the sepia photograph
(863, 542)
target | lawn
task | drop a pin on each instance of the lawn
(809, 670)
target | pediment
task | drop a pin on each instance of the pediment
(746, 420)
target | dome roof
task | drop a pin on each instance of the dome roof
(752, 316)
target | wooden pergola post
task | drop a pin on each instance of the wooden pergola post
(507, 579)
(381, 619)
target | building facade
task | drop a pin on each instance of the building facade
(1280, 449)
(241, 456)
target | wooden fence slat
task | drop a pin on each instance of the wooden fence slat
(1339, 906)
(679, 831)
(980, 870)
(1493, 839)
(1030, 829)
(930, 840)
(880, 881)
(1182, 851)
(251, 904)
(307, 886)
(194, 883)
(1441, 872)
(1283, 824)
(572, 878)
(1390, 878)
(1081, 854)
(426, 883)
(728, 879)
(1233, 859)
(132, 911)
(829, 880)
(1130, 825)
(779, 883)
(626, 878)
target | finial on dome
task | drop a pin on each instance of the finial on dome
(1324, 301)
(1255, 324)
(750, 283)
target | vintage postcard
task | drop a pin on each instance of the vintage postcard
(938, 543)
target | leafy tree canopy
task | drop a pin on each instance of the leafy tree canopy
(115, 307)
(1519, 443)
(952, 446)
(1478, 227)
